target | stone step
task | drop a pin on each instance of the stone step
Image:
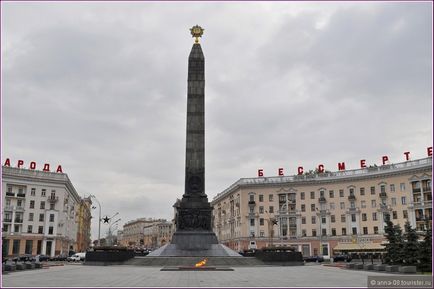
(191, 261)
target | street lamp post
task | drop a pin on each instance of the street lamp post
(99, 219)
(109, 231)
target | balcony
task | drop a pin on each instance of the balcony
(322, 200)
(383, 195)
(9, 208)
(18, 220)
(20, 208)
(10, 194)
(21, 195)
(351, 197)
(252, 203)
(53, 199)
(7, 220)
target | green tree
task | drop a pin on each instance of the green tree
(411, 245)
(425, 250)
(395, 245)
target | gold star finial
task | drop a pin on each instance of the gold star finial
(196, 31)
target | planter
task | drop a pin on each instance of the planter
(392, 268)
(368, 267)
(380, 267)
(407, 269)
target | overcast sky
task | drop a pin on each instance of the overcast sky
(101, 88)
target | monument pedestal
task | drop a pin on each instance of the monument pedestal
(194, 240)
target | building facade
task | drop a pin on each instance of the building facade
(157, 234)
(39, 212)
(83, 224)
(321, 214)
(133, 232)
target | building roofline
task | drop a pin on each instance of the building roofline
(317, 179)
(40, 176)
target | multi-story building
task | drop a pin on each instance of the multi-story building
(39, 212)
(320, 214)
(84, 221)
(157, 234)
(133, 231)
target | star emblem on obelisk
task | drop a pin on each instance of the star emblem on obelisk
(196, 31)
(106, 219)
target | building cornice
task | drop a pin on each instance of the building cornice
(413, 167)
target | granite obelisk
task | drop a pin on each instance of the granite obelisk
(194, 235)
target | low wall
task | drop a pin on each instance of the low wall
(109, 257)
(280, 257)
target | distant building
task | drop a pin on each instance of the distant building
(84, 221)
(39, 212)
(133, 232)
(157, 234)
(326, 213)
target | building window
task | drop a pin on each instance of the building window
(313, 220)
(50, 230)
(261, 222)
(261, 209)
(29, 246)
(41, 217)
(405, 214)
(341, 193)
(252, 222)
(303, 220)
(383, 189)
(32, 204)
(331, 194)
(29, 229)
(251, 197)
(30, 217)
(403, 201)
(344, 231)
(32, 192)
(363, 204)
(302, 195)
(375, 230)
(373, 204)
(40, 230)
(402, 187)
(271, 209)
(372, 190)
(365, 230)
(52, 206)
(364, 217)
(323, 220)
(332, 206)
(16, 247)
(19, 203)
(313, 233)
(352, 205)
(312, 195)
(374, 216)
(42, 205)
(392, 187)
(303, 233)
(303, 208)
(324, 232)
(261, 198)
(354, 230)
(353, 217)
(343, 218)
(342, 204)
(333, 232)
(261, 234)
(270, 197)
(332, 218)
(395, 215)
(362, 191)
(16, 228)
(43, 192)
(51, 217)
(393, 201)
(351, 192)
(312, 208)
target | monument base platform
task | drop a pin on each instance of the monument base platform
(193, 268)
(211, 250)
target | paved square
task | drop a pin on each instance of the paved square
(135, 276)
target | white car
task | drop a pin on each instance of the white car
(77, 257)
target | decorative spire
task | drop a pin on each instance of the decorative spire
(196, 31)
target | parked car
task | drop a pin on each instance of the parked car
(342, 258)
(313, 259)
(60, 257)
(41, 258)
(23, 258)
(77, 257)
